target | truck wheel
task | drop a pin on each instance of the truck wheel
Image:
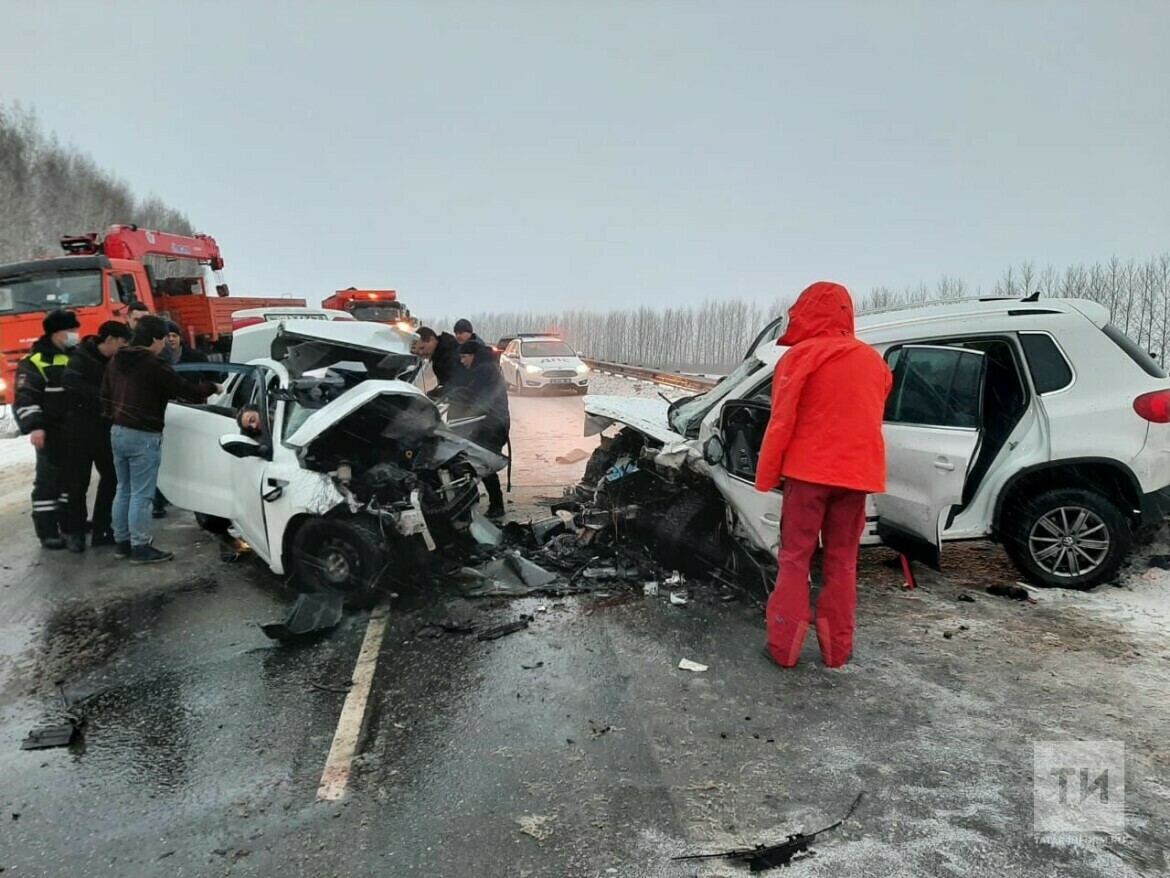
(345, 556)
(1068, 538)
(213, 524)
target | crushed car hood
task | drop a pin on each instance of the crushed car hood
(354, 399)
(647, 416)
(417, 419)
(303, 345)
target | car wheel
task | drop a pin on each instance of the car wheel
(520, 391)
(1068, 538)
(213, 524)
(689, 534)
(344, 556)
(581, 391)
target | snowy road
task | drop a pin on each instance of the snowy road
(575, 748)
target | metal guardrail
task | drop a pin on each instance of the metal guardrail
(657, 376)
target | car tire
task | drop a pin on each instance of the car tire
(345, 556)
(213, 524)
(1068, 538)
(581, 391)
(520, 391)
(690, 534)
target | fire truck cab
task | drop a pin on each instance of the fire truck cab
(378, 306)
(175, 276)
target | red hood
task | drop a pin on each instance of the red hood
(824, 310)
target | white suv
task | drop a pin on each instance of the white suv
(535, 363)
(1035, 423)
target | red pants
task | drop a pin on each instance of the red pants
(837, 516)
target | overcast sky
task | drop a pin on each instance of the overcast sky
(488, 154)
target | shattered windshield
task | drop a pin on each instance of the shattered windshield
(685, 415)
(67, 289)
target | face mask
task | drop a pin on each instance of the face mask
(72, 339)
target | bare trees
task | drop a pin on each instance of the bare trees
(713, 336)
(48, 190)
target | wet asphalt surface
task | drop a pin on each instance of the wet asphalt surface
(204, 740)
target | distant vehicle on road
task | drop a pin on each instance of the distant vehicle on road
(1038, 424)
(533, 363)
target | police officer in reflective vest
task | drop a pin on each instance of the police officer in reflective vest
(39, 407)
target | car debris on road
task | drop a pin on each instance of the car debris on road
(763, 857)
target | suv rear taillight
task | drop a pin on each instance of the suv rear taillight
(1154, 407)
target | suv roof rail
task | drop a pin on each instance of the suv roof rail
(927, 303)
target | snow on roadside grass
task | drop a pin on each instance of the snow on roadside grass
(16, 450)
(604, 384)
(1139, 603)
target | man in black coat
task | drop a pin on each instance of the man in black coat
(479, 390)
(88, 436)
(443, 352)
(39, 407)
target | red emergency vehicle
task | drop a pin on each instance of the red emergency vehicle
(176, 276)
(378, 306)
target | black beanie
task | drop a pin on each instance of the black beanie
(471, 346)
(56, 321)
(172, 326)
(463, 325)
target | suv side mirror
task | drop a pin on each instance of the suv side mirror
(243, 446)
(713, 450)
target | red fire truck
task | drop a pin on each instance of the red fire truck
(378, 306)
(177, 277)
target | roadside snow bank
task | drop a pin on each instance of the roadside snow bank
(1139, 603)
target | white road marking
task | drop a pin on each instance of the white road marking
(335, 778)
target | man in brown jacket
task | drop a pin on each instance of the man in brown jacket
(135, 391)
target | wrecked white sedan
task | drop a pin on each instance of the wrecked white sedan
(353, 478)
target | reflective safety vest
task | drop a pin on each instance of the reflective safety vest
(39, 400)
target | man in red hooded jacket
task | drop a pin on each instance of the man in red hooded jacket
(824, 443)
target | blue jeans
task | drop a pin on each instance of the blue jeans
(137, 456)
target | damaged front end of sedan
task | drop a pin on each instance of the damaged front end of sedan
(406, 488)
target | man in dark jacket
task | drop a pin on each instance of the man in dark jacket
(478, 391)
(176, 351)
(39, 407)
(464, 332)
(443, 352)
(135, 392)
(88, 434)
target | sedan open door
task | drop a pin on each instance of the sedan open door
(932, 430)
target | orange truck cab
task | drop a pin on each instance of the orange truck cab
(175, 276)
(377, 306)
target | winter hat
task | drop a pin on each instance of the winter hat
(471, 346)
(56, 321)
(172, 326)
(463, 325)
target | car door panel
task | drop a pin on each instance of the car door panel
(197, 474)
(191, 456)
(932, 434)
(741, 430)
